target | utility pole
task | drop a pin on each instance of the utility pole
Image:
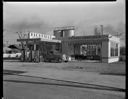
(101, 29)
(7, 42)
(95, 31)
(117, 34)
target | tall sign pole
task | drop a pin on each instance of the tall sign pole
(19, 34)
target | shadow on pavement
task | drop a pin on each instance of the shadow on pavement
(115, 74)
(12, 72)
(91, 86)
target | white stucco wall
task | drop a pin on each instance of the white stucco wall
(106, 49)
(111, 60)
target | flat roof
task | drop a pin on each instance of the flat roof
(39, 39)
(89, 37)
(53, 40)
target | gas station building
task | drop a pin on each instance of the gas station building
(105, 48)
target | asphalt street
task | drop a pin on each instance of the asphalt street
(21, 87)
(22, 82)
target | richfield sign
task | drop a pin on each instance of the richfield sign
(31, 35)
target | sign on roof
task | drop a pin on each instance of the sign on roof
(39, 35)
(24, 35)
(27, 35)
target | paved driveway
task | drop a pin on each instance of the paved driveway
(39, 70)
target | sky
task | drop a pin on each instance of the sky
(43, 17)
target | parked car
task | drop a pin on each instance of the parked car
(52, 57)
(6, 55)
(18, 55)
(11, 55)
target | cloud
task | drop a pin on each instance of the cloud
(32, 24)
(42, 17)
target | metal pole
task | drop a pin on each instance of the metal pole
(101, 29)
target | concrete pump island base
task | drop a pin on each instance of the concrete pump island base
(40, 47)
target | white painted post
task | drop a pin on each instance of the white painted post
(34, 47)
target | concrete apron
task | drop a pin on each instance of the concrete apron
(81, 77)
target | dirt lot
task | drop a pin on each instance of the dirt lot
(117, 68)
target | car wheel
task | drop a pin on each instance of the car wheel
(16, 56)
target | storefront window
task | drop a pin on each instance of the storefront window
(90, 50)
(114, 49)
